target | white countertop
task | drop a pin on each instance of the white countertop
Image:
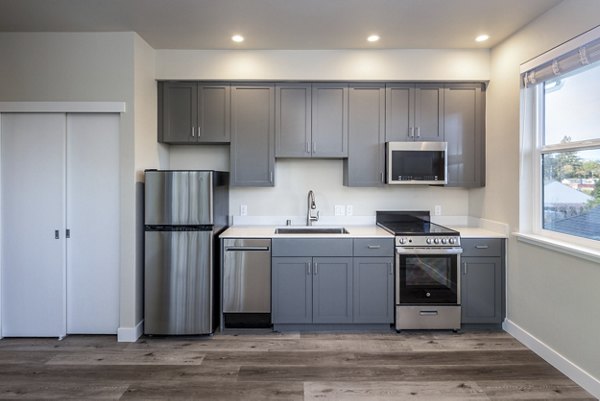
(370, 231)
(477, 232)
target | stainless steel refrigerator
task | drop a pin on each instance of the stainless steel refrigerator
(184, 213)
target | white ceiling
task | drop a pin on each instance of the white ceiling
(281, 24)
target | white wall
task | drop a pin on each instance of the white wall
(293, 178)
(552, 296)
(83, 67)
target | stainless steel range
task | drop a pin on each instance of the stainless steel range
(427, 281)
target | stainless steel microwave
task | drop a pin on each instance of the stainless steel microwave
(416, 163)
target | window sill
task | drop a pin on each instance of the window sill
(578, 251)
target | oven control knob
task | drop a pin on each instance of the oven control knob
(451, 240)
(436, 241)
(428, 294)
(429, 240)
(402, 241)
(444, 241)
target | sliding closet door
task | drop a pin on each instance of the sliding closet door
(33, 224)
(93, 223)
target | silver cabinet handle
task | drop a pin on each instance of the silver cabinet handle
(412, 132)
(316, 268)
(374, 246)
(418, 132)
(193, 131)
(271, 176)
(56, 234)
(308, 268)
(464, 268)
(307, 147)
(382, 178)
(481, 246)
(67, 233)
(314, 147)
(391, 270)
(428, 313)
(246, 248)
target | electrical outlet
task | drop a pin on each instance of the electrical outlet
(349, 210)
(437, 210)
(243, 210)
(339, 210)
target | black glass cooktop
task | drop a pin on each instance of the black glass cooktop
(411, 223)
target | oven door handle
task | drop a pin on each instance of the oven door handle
(429, 251)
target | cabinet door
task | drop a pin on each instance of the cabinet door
(332, 290)
(373, 295)
(214, 113)
(33, 223)
(253, 137)
(481, 290)
(330, 120)
(465, 133)
(429, 109)
(365, 164)
(399, 114)
(292, 290)
(293, 120)
(178, 112)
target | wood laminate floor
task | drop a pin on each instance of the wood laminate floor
(251, 365)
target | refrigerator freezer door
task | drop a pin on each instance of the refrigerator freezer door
(178, 282)
(179, 198)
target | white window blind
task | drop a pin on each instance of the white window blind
(577, 52)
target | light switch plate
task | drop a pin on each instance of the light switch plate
(340, 210)
(349, 210)
(243, 210)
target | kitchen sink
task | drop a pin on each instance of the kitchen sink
(311, 230)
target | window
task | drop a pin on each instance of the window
(561, 112)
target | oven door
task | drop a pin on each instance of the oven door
(427, 276)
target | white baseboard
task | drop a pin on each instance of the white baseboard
(130, 334)
(568, 368)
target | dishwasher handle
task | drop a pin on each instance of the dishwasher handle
(247, 249)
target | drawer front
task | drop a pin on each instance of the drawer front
(427, 317)
(482, 246)
(312, 247)
(374, 247)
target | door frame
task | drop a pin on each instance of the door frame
(51, 107)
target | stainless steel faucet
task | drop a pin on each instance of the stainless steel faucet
(311, 206)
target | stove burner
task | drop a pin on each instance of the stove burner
(413, 229)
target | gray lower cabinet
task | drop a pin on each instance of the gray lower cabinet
(482, 281)
(193, 113)
(373, 292)
(414, 112)
(252, 152)
(291, 286)
(312, 290)
(464, 128)
(365, 166)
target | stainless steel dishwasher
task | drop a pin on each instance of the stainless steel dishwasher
(246, 282)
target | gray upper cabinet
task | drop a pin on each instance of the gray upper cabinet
(193, 113)
(414, 112)
(329, 120)
(482, 281)
(311, 120)
(293, 120)
(464, 125)
(365, 165)
(178, 112)
(214, 101)
(252, 157)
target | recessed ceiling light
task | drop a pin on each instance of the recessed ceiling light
(237, 38)
(482, 38)
(373, 38)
